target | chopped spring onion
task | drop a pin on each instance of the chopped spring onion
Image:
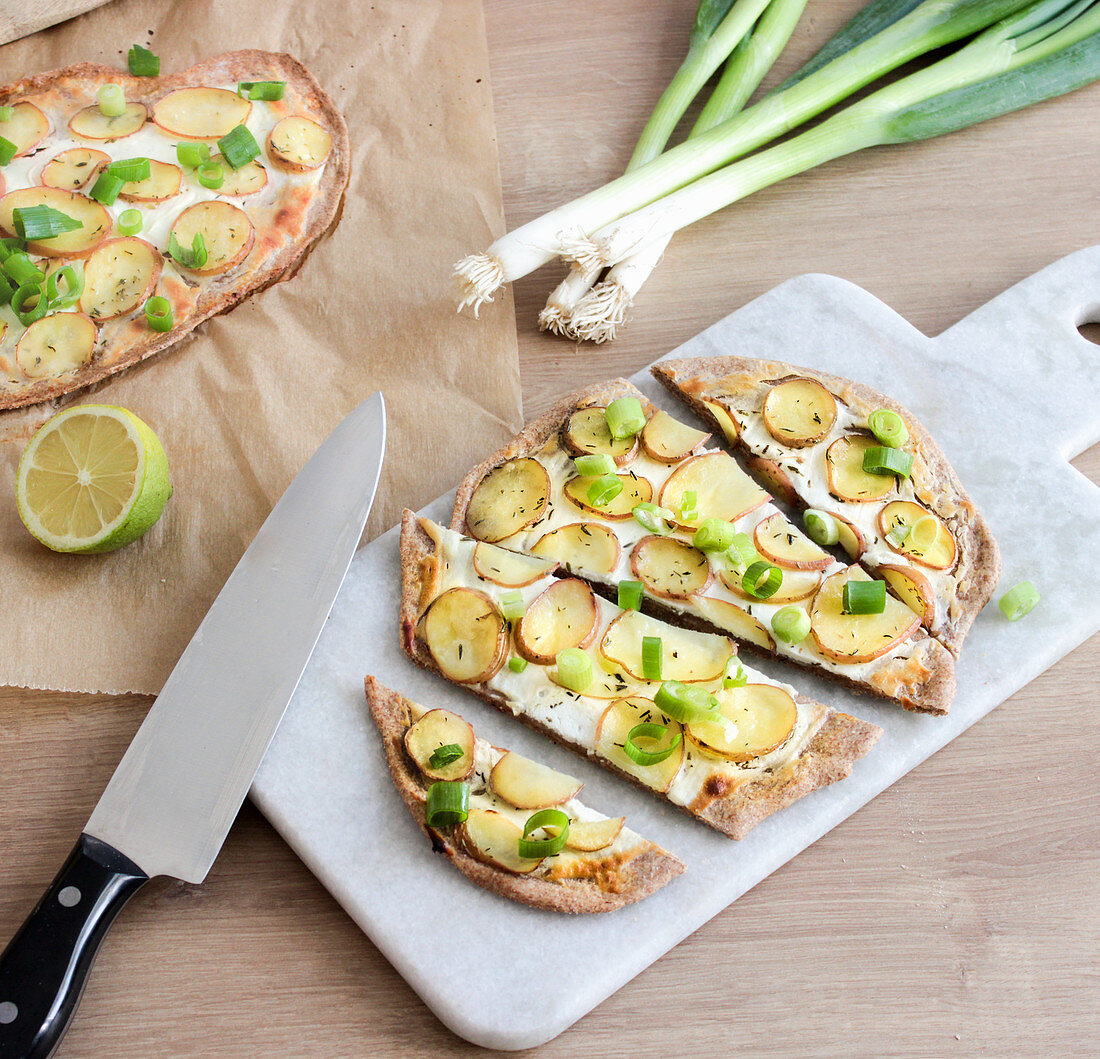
(448, 803)
(130, 169)
(193, 258)
(512, 605)
(738, 680)
(11, 245)
(687, 506)
(923, 534)
(882, 460)
(864, 597)
(74, 287)
(517, 664)
(22, 296)
(36, 223)
(106, 188)
(604, 489)
(625, 417)
(6, 289)
(142, 62)
(192, 155)
(791, 624)
(630, 595)
(742, 552)
(129, 222)
(821, 527)
(898, 535)
(1019, 600)
(686, 703)
(19, 266)
(651, 657)
(888, 427)
(444, 755)
(238, 147)
(269, 91)
(158, 313)
(714, 535)
(7, 113)
(653, 734)
(8, 151)
(762, 580)
(595, 466)
(651, 517)
(574, 669)
(210, 175)
(111, 101)
(534, 848)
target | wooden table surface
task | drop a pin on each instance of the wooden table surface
(954, 915)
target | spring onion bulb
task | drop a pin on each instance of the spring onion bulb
(575, 670)
(111, 101)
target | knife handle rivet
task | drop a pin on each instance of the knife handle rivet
(69, 897)
(8, 1012)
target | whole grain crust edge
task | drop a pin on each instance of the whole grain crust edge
(220, 292)
(839, 742)
(640, 876)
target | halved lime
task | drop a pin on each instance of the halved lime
(92, 479)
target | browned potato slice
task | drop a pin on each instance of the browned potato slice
(939, 552)
(526, 784)
(847, 478)
(438, 728)
(162, 183)
(493, 839)
(796, 585)
(95, 221)
(913, 589)
(741, 625)
(466, 635)
(667, 440)
(774, 475)
(799, 412)
(581, 546)
(509, 568)
(670, 568)
(118, 276)
(849, 537)
(56, 345)
(509, 498)
(615, 725)
(726, 421)
(201, 113)
(781, 543)
(563, 616)
(686, 655)
(759, 719)
(247, 180)
(722, 490)
(588, 836)
(587, 433)
(636, 490)
(92, 124)
(72, 169)
(26, 127)
(298, 144)
(226, 230)
(856, 637)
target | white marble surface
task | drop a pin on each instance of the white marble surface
(1011, 393)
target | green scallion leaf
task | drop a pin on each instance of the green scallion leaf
(630, 595)
(7, 289)
(738, 680)
(536, 848)
(269, 91)
(142, 62)
(444, 755)
(238, 147)
(651, 517)
(158, 313)
(653, 734)
(194, 258)
(8, 151)
(625, 417)
(448, 803)
(7, 113)
(762, 580)
(864, 597)
(19, 266)
(37, 223)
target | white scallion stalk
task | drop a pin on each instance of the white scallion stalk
(563, 232)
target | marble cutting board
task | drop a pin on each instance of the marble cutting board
(1011, 393)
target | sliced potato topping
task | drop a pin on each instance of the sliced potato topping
(527, 784)
(636, 490)
(774, 475)
(796, 585)
(615, 725)
(225, 229)
(686, 655)
(247, 180)
(118, 276)
(781, 543)
(72, 169)
(856, 637)
(667, 440)
(587, 433)
(913, 589)
(562, 616)
(726, 421)
(95, 221)
(670, 568)
(492, 838)
(722, 490)
(162, 183)
(756, 719)
(435, 729)
(736, 620)
(26, 127)
(510, 569)
(847, 478)
(92, 124)
(56, 345)
(509, 498)
(466, 635)
(581, 546)
(932, 544)
(849, 537)
(588, 836)
(201, 113)
(799, 412)
(297, 143)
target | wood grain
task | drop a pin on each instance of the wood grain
(953, 916)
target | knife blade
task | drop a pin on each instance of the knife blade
(170, 803)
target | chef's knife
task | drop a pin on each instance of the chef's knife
(177, 790)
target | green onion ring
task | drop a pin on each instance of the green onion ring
(653, 732)
(537, 848)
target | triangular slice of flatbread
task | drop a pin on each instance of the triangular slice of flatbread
(604, 865)
(803, 431)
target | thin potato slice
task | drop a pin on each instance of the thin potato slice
(587, 433)
(527, 784)
(939, 553)
(850, 537)
(615, 725)
(581, 546)
(588, 836)
(636, 490)
(162, 183)
(856, 637)
(435, 729)
(26, 128)
(492, 838)
(913, 589)
(730, 427)
(737, 621)
(92, 124)
(299, 144)
(201, 113)
(225, 229)
(72, 169)
(667, 440)
(722, 490)
(778, 541)
(847, 478)
(466, 635)
(510, 569)
(95, 221)
(686, 655)
(508, 499)
(775, 476)
(670, 568)
(247, 180)
(796, 585)
(118, 276)
(799, 412)
(563, 616)
(56, 345)
(759, 718)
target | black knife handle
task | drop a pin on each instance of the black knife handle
(44, 968)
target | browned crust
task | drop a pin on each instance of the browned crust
(933, 694)
(638, 877)
(218, 294)
(979, 556)
(829, 756)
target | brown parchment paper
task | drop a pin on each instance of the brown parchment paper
(243, 405)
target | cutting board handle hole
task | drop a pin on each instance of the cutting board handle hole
(1090, 330)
